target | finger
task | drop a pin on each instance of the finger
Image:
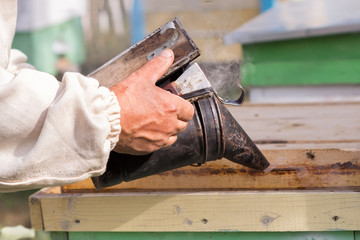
(172, 140)
(181, 126)
(157, 67)
(185, 110)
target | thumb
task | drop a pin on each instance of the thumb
(156, 67)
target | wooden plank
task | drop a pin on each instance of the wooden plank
(35, 208)
(291, 169)
(308, 146)
(36, 212)
(324, 60)
(60, 236)
(304, 73)
(300, 123)
(202, 211)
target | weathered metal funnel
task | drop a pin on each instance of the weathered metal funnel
(212, 134)
(239, 148)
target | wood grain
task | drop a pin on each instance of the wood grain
(202, 211)
(308, 145)
(36, 211)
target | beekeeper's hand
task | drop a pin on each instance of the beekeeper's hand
(150, 116)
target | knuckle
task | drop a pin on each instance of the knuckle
(153, 149)
(183, 127)
(170, 107)
(190, 110)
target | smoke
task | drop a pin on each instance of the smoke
(221, 63)
(224, 78)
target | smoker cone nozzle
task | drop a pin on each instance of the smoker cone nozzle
(211, 134)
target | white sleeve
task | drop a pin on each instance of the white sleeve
(53, 133)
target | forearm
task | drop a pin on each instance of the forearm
(54, 133)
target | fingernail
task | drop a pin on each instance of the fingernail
(166, 53)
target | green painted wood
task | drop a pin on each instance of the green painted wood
(302, 73)
(38, 44)
(59, 236)
(317, 48)
(317, 60)
(212, 235)
(357, 235)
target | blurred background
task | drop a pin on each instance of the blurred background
(281, 51)
(82, 35)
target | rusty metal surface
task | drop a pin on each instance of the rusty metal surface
(212, 134)
(124, 167)
(192, 80)
(239, 148)
(127, 62)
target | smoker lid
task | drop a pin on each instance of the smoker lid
(299, 19)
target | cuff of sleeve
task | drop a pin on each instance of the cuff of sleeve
(17, 61)
(113, 114)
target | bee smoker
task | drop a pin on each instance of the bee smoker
(211, 134)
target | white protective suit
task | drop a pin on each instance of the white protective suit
(51, 133)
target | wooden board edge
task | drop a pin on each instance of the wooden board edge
(206, 211)
(35, 207)
(304, 169)
(36, 212)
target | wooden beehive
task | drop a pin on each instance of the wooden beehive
(314, 151)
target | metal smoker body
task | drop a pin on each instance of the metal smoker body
(211, 134)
